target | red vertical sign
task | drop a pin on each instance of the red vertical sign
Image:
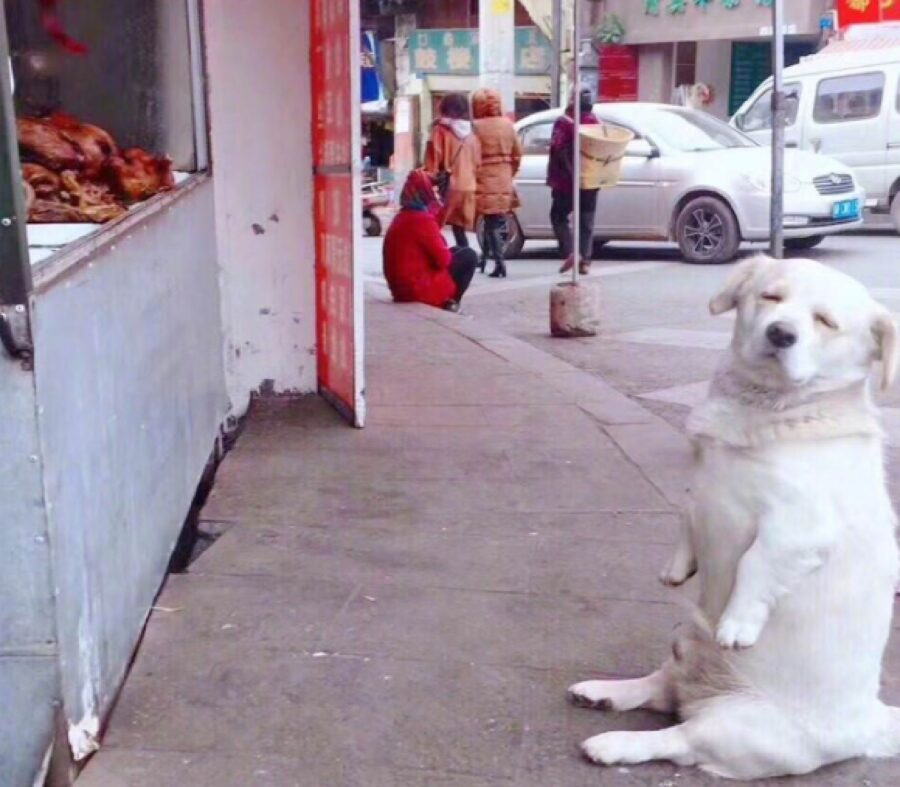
(890, 10)
(858, 12)
(618, 73)
(336, 132)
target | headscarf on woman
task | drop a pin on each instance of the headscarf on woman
(418, 193)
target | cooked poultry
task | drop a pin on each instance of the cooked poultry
(45, 183)
(95, 144)
(75, 172)
(44, 143)
(29, 197)
(95, 201)
(137, 175)
(51, 212)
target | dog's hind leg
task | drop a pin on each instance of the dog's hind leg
(654, 692)
(631, 748)
(735, 738)
(682, 564)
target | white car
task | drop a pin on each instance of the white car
(690, 178)
(845, 105)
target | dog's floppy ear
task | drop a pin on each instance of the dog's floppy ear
(885, 330)
(728, 298)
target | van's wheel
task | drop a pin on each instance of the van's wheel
(371, 225)
(707, 231)
(803, 244)
(895, 210)
(513, 239)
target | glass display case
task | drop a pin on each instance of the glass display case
(104, 132)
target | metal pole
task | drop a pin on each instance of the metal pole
(778, 118)
(15, 268)
(576, 155)
(556, 64)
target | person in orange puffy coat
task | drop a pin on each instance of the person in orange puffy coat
(501, 156)
(419, 266)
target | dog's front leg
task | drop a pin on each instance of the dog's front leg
(785, 550)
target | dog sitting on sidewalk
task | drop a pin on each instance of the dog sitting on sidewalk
(791, 535)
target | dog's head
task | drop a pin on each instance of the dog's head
(802, 325)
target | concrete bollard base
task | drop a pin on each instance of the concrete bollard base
(574, 310)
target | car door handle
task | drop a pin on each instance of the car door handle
(893, 145)
(791, 145)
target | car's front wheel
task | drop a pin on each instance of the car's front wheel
(707, 231)
(513, 239)
(895, 210)
(803, 244)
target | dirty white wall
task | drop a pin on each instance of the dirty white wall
(131, 396)
(655, 66)
(714, 68)
(259, 100)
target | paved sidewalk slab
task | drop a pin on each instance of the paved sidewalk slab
(404, 606)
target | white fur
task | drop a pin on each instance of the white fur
(792, 537)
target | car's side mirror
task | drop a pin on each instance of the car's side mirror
(641, 148)
(739, 122)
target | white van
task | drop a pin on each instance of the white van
(845, 103)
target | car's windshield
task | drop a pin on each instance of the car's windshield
(692, 132)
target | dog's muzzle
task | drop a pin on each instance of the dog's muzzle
(781, 335)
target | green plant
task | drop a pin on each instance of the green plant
(610, 31)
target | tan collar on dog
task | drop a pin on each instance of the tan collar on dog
(737, 424)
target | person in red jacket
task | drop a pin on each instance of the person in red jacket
(419, 266)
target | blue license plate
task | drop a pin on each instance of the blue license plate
(845, 210)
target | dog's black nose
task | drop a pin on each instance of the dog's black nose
(781, 335)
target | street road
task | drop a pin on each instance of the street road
(657, 342)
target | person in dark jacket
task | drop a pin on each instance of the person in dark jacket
(419, 266)
(560, 178)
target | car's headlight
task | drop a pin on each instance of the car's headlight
(763, 183)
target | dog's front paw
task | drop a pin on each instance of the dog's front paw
(591, 694)
(738, 633)
(612, 748)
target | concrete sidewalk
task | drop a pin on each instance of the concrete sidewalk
(405, 606)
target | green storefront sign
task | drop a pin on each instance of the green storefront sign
(457, 52)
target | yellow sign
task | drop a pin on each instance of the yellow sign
(501, 7)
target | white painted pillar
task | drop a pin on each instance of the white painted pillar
(497, 49)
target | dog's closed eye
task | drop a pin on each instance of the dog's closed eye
(827, 321)
(772, 297)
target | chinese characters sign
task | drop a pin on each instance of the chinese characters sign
(335, 79)
(457, 52)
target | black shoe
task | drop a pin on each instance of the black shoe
(451, 306)
(482, 264)
(499, 271)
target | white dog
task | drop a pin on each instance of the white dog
(792, 537)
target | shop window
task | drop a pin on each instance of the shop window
(847, 98)
(759, 116)
(536, 139)
(100, 133)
